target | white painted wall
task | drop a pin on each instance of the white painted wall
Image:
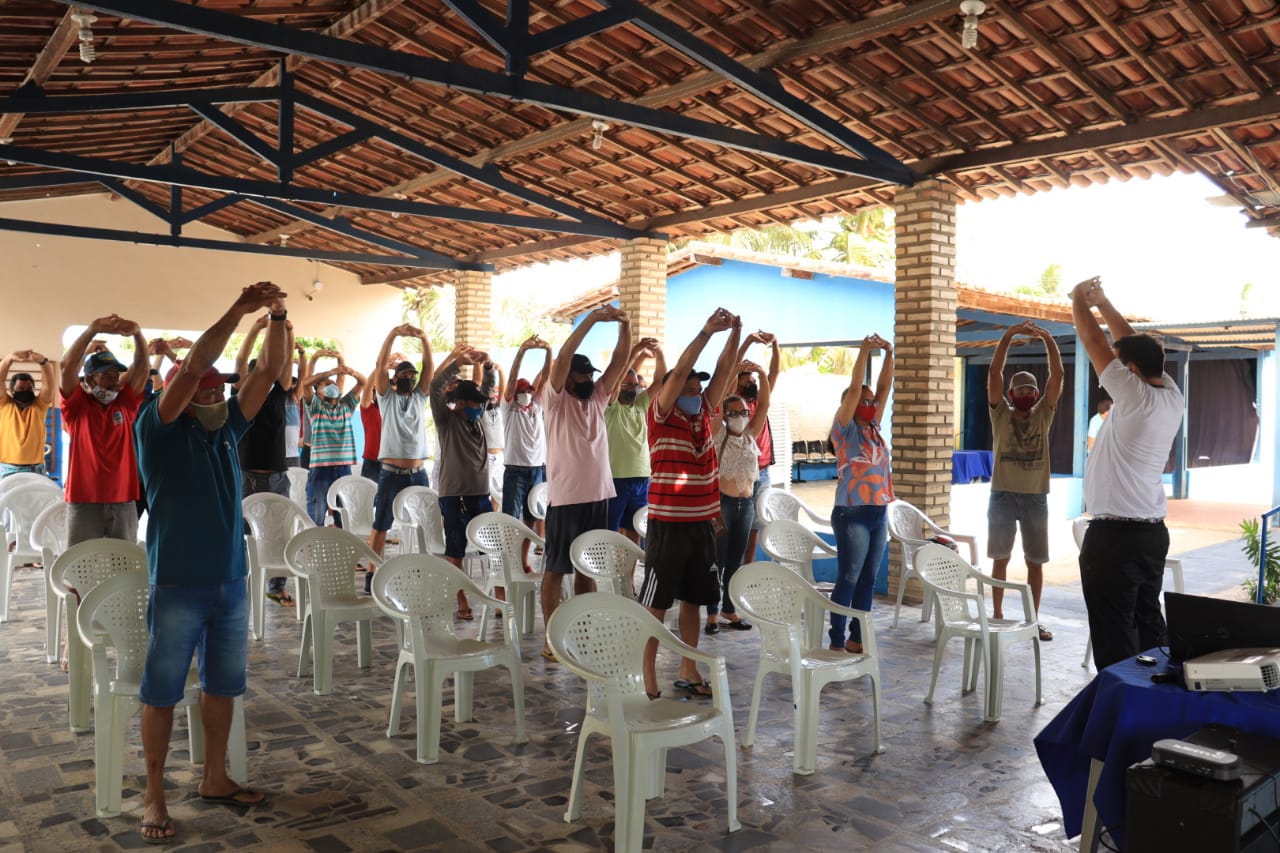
(50, 283)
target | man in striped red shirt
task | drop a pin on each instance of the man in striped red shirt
(684, 497)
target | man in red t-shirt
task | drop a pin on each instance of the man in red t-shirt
(684, 498)
(98, 412)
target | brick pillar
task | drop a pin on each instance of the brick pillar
(473, 308)
(925, 339)
(642, 287)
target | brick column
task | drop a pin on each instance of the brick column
(473, 308)
(925, 339)
(642, 287)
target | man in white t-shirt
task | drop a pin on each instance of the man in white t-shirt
(525, 439)
(1122, 556)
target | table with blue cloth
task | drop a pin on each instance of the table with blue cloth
(970, 465)
(1115, 720)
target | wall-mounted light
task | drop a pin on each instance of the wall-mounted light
(598, 128)
(86, 21)
(316, 285)
(971, 9)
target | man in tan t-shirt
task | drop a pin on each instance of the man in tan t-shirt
(1020, 465)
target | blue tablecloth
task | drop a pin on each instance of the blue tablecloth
(970, 465)
(1116, 719)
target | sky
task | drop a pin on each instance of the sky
(1163, 249)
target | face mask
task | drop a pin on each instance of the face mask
(404, 385)
(627, 396)
(473, 414)
(865, 413)
(331, 392)
(104, 395)
(524, 399)
(582, 390)
(211, 417)
(736, 423)
(690, 404)
(1024, 404)
(749, 392)
(490, 406)
(24, 398)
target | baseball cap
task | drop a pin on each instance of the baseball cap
(469, 391)
(1023, 379)
(100, 362)
(212, 377)
(581, 364)
(405, 367)
(524, 386)
(700, 375)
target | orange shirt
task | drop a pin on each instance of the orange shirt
(22, 432)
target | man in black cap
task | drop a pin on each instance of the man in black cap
(464, 451)
(98, 412)
(579, 483)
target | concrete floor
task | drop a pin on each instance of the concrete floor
(947, 780)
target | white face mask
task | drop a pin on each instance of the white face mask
(524, 399)
(736, 423)
(105, 396)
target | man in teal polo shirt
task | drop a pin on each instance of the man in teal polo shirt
(186, 445)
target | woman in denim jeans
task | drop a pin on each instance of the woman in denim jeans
(739, 457)
(865, 488)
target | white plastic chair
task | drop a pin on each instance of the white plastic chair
(795, 546)
(601, 637)
(49, 537)
(911, 529)
(298, 485)
(538, 501)
(1172, 565)
(774, 504)
(24, 478)
(416, 515)
(499, 537)
(272, 521)
(77, 571)
(19, 507)
(964, 614)
(777, 599)
(114, 615)
(608, 558)
(327, 558)
(640, 521)
(357, 494)
(420, 590)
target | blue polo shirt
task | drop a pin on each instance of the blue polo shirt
(195, 534)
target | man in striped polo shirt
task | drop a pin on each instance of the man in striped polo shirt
(684, 497)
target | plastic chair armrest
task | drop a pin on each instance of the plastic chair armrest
(971, 541)
(817, 519)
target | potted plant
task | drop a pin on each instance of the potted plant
(1250, 529)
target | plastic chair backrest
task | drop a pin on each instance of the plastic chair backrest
(49, 531)
(601, 637)
(117, 607)
(773, 592)
(421, 506)
(273, 521)
(791, 543)
(20, 506)
(24, 478)
(609, 558)
(640, 521)
(327, 557)
(775, 504)
(79, 569)
(538, 501)
(949, 573)
(500, 536)
(905, 521)
(421, 588)
(298, 485)
(1078, 527)
(357, 494)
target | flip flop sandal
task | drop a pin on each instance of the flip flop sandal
(697, 689)
(738, 624)
(234, 798)
(1045, 636)
(282, 598)
(163, 827)
(465, 614)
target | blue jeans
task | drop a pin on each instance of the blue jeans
(737, 514)
(861, 535)
(6, 469)
(319, 479)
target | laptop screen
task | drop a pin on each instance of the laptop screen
(1199, 625)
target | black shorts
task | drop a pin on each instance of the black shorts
(680, 563)
(566, 523)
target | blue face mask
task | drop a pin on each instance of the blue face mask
(690, 404)
(331, 392)
(473, 414)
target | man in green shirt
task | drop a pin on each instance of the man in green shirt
(624, 425)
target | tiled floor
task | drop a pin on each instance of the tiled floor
(947, 781)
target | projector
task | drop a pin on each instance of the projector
(1256, 670)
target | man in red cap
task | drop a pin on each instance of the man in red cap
(526, 438)
(186, 440)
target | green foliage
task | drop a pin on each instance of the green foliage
(1049, 284)
(1251, 537)
(834, 360)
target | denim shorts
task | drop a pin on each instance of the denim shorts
(1008, 511)
(632, 495)
(391, 482)
(208, 620)
(517, 482)
(6, 469)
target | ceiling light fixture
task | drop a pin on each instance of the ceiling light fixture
(85, 22)
(597, 137)
(971, 9)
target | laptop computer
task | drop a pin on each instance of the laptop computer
(1200, 625)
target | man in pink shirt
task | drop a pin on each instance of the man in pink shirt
(579, 482)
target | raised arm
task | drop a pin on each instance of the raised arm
(995, 373)
(757, 422)
(303, 365)
(1053, 387)
(138, 373)
(560, 368)
(381, 381)
(669, 390)
(428, 371)
(286, 365)
(853, 395)
(361, 381)
(544, 375)
(246, 349)
(637, 357)
(1087, 327)
(726, 364)
(509, 393)
(48, 377)
(659, 362)
(74, 355)
(884, 384)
